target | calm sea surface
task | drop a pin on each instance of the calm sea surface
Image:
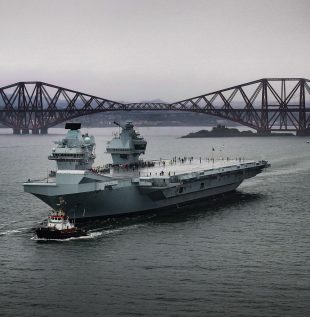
(246, 255)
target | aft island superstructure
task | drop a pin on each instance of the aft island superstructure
(131, 185)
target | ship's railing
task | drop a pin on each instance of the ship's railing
(40, 180)
(215, 171)
(164, 180)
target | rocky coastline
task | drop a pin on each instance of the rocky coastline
(223, 131)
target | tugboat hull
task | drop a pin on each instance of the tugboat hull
(52, 234)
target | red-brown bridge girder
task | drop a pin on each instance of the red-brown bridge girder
(269, 104)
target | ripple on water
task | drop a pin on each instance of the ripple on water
(245, 255)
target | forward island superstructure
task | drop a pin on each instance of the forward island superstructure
(131, 185)
(75, 151)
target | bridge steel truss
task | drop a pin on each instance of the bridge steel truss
(269, 104)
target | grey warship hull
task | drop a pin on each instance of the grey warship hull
(132, 185)
(92, 195)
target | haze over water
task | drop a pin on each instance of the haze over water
(245, 255)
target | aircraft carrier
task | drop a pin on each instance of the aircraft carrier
(130, 185)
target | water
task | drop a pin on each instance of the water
(247, 255)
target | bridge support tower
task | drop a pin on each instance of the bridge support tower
(44, 130)
(262, 132)
(304, 132)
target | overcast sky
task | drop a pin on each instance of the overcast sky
(134, 50)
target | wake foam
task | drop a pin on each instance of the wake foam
(12, 231)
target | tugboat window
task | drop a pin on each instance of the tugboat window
(202, 185)
(181, 190)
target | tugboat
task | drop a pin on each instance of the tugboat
(58, 226)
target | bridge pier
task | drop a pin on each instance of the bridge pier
(263, 133)
(44, 130)
(305, 132)
(16, 131)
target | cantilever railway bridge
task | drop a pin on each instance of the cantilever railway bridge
(269, 104)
